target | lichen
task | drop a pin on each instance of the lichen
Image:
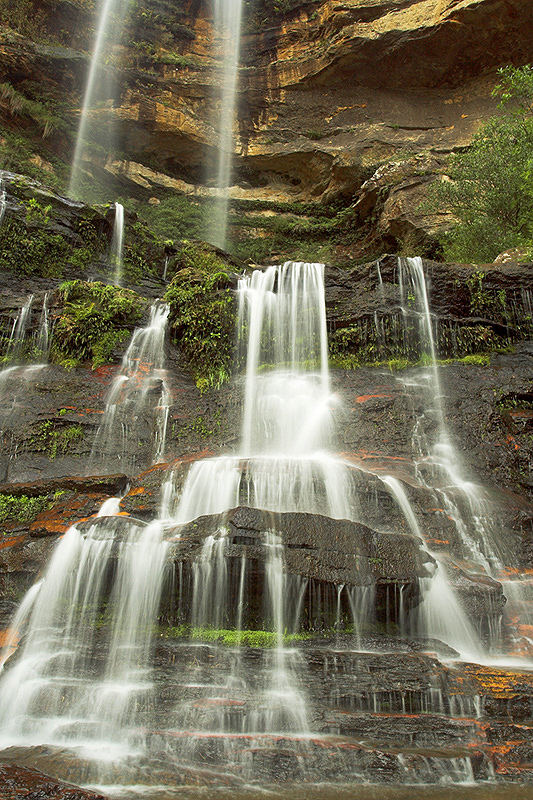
(52, 440)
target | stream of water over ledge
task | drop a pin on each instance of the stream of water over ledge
(285, 618)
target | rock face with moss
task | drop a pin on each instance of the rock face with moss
(343, 105)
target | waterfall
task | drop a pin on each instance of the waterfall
(3, 201)
(108, 31)
(227, 24)
(52, 694)
(82, 675)
(139, 394)
(438, 464)
(117, 243)
(26, 354)
(284, 461)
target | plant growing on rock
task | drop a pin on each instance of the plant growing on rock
(490, 190)
(202, 313)
(95, 319)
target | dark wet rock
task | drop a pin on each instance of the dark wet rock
(17, 782)
(21, 562)
(316, 547)
(110, 485)
(354, 294)
(480, 595)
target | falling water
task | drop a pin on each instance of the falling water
(52, 693)
(43, 333)
(18, 340)
(3, 201)
(138, 393)
(82, 674)
(117, 243)
(108, 31)
(439, 614)
(438, 465)
(26, 354)
(284, 463)
(227, 22)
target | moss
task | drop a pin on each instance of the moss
(32, 249)
(23, 508)
(143, 253)
(49, 116)
(95, 319)
(396, 364)
(231, 638)
(202, 312)
(54, 441)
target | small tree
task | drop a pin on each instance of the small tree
(490, 191)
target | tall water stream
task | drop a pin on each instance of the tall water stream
(108, 31)
(227, 29)
(117, 243)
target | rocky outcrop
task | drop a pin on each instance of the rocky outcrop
(316, 547)
(18, 781)
(329, 92)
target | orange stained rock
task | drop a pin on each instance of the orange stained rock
(498, 682)
(11, 541)
(50, 525)
(363, 398)
(138, 490)
(11, 637)
(7, 634)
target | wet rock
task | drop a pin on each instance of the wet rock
(106, 485)
(316, 547)
(17, 782)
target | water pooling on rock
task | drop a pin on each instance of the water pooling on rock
(280, 538)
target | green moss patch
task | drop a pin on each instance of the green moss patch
(232, 638)
(54, 441)
(95, 319)
(202, 312)
(23, 508)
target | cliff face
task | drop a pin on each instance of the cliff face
(329, 93)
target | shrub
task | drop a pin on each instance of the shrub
(490, 191)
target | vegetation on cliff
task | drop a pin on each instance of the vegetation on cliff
(95, 319)
(490, 190)
(202, 312)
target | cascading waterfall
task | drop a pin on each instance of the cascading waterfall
(438, 465)
(82, 674)
(108, 31)
(139, 394)
(52, 694)
(117, 243)
(26, 354)
(227, 25)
